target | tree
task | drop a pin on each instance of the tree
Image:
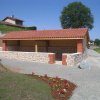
(97, 42)
(76, 15)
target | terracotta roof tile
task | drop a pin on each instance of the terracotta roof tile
(33, 34)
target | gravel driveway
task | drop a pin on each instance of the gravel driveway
(87, 80)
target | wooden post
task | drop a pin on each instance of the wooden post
(36, 46)
(4, 45)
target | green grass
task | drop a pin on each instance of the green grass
(15, 86)
(5, 28)
(97, 50)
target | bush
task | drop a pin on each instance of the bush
(97, 42)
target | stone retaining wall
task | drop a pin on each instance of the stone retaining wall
(71, 59)
(27, 56)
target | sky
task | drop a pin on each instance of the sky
(45, 14)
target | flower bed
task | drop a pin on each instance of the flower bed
(61, 89)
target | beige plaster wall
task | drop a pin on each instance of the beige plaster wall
(10, 21)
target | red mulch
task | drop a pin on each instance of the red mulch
(61, 89)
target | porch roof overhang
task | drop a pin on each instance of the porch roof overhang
(64, 34)
(44, 39)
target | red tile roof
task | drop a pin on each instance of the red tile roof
(48, 34)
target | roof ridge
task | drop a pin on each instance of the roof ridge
(13, 18)
(51, 30)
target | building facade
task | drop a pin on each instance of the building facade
(59, 42)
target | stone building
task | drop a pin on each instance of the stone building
(58, 42)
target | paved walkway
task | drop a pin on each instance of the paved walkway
(88, 80)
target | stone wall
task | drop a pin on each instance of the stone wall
(71, 59)
(27, 56)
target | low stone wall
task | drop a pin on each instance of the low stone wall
(71, 59)
(27, 56)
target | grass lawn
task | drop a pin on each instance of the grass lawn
(5, 28)
(15, 86)
(97, 50)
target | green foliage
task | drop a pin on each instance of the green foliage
(5, 28)
(97, 50)
(31, 28)
(76, 15)
(15, 86)
(97, 42)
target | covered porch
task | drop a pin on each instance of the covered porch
(48, 46)
(66, 46)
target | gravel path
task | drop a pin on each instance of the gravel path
(87, 80)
